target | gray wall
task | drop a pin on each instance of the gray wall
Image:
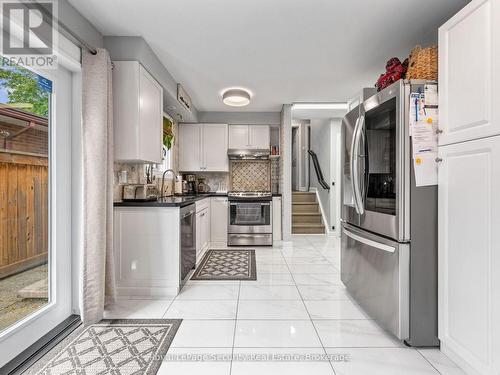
(242, 118)
(135, 48)
(72, 19)
(321, 145)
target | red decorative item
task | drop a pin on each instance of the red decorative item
(395, 70)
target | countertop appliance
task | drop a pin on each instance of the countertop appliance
(139, 192)
(250, 219)
(389, 225)
(192, 184)
(188, 242)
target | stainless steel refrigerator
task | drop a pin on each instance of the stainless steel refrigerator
(389, 225)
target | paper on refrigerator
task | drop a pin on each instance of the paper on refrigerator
(424, 141)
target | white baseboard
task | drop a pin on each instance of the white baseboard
(325, 222)
(146, 292)
(459, 360)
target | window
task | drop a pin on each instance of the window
(168, 143)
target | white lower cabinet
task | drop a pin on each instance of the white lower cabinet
(202, 228)
(469, 254)
(146, 251)
(277, 219)
(218, 222)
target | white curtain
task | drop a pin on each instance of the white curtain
(97, 281)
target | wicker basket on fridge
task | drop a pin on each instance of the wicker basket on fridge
(423, 63)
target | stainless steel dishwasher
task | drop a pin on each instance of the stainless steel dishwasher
(188, 242)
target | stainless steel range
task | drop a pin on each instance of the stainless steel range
(250, 218)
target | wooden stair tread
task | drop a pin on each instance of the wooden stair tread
(307, 213)
(304, 203)
(308, 225)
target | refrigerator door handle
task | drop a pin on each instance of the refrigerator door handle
(351, 164)
(354, 165)
(368, 242)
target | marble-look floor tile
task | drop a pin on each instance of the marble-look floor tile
(307, 260)
(204, 334)
(269, 292)
(271, 279)
(340, 309)
(209, 291)
(323, 292)
(272, 268)
(317, 279)
(191, 309)
(441, 362)
(314, 269)
(281, 367)
(386, 361)
(272, 333)
(197, 361)
(354, 333)
(273, 309)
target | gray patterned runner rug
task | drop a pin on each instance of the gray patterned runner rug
(115, 347)
(227, 265)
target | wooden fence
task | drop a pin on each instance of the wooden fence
(23, 212)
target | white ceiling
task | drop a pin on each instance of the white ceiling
(284, 51)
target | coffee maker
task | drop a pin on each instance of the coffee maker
(192, 185)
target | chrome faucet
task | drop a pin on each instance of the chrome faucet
(163, 180)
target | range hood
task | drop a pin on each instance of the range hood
(248, 154)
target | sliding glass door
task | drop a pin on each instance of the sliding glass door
(35, 205)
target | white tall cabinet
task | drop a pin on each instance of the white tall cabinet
(469, 187)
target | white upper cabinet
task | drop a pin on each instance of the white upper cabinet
(259, 136)
(137, 114)
(189, 147)
(203, 148)
(214, 145)
(238, 137)
(469, 77)
(249, 137)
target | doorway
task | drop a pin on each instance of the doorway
(295, 158)
(321, 160)
(35, 197)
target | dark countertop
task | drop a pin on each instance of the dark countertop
(175, 201)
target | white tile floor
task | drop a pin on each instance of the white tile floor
(297, 310)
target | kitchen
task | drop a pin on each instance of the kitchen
(237, 199)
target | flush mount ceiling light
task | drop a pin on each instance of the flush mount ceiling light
(236, 97)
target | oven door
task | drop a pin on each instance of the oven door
(380, 164)
(249, 217)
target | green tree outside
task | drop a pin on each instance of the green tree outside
(22, 87)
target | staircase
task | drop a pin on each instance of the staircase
(306, 214)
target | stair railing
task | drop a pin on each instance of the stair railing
(317, 169)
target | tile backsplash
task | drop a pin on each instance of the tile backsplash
(250, 175)
(135, 175)
(215, 179)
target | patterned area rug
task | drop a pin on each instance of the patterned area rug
(227, 265)
(115, 347)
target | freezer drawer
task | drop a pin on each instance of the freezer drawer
(375, 271)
